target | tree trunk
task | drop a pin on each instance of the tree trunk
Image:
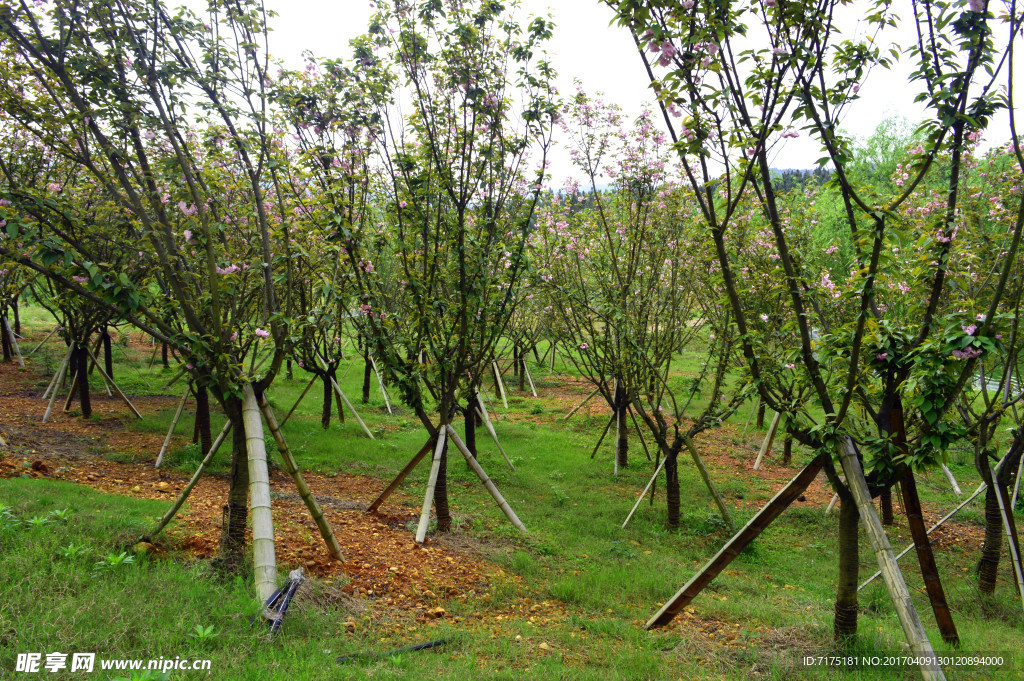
(444, 516)
(5, 342)
(108, 357)
(760, 415)
(886, 503)
(288, 365)
(367, 372)
(325, 415)
(333, 381)
(845, 625)
(469, 414)
(232, 548)
(672, 490)
(522, 371)
(988, 565)
(16, 307)
(203, 418)
(622, 430)
(787, 448)
(163, 355)
(82, 353)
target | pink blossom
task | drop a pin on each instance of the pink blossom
(791, 366)
(234, 336)
(967, 353)
(881, 356)
(977, 5)
(262, 333)
(584, 346)
(80, 280)
(764, 318)
(188, 235)
(970, 329)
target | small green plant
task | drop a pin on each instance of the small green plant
(559, 496)
(63, 514)
(536, 409)
(112, 563)
(203, 634)
(38, 521)
(71, 551)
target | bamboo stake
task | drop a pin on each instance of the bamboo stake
(706, 477)
(1016, 485)
(757, 405)
(501, 383)
(832, 504)
(341, 395)
(913, 629)
(59, 375)
(301, 397)
(769, 439)
(428, 498)
(1011, 535)
(721, 560)
(529, 378)
(173, 510)
(490, 429)
(14, 341)
(601, 439)
(488, 483)
(46, 338)
(952, 480)
(174, 424)
(263, 558)
(643, 494)
(292, 469)
(580, 405)
(113, 385)
(401, 476)
(380, 382)
(618, 429)
(639, 432)
(71, 393)
(181, 372)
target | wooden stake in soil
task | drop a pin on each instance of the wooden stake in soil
(51, 390)
(14, 341)
(769, 439)
(111, 384)
(913, 629)
(341, 396)
(174, 424)
(428, 498)
(173, 510)
(952, 480)
(529, 378)
(40, 344)
(298, 401)
(488, 483)
(1011, 534)
(706, 477)
(292, 469)
(490, 429)
(601, 439)
(380, 382)
(372, 508)
(263, 558)
(501, 384)
(757, 405)
(643, 494)
(639, 432)
(580, 405)
(71, 393)
(762, 519)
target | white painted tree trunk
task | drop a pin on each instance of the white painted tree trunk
(263, 558)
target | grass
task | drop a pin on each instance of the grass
(774, 601)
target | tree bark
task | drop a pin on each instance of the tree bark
(760, 415)
(82, 353)
(367, 373)
(108, 357)
(885, 501)
(622, 441)
(6, 343)
(16, 307)
(232, 548)
(203, 418)
(444, 515)
(325, 415)
(672, 490)
(845, 624)
(469, 415)
(163, 355)
(988, 564)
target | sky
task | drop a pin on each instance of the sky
(586, 47)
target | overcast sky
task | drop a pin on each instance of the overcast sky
(603, 57)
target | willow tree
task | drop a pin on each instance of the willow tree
(741, 78)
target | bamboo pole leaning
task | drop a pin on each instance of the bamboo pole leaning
(174, 424)
(709, 483)
(401, 476)
(769, 439)
(263, 557)
(501, 383)
(110, 382)
(14, 341)
(428, 497)
(644, 493)
(1011, 534)
(40, 344)
(490, 429)
(380, 382)
(292, 468)
(580, 405)
(488, 483)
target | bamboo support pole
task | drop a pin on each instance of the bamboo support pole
(913, 629)
(401, 476)
(706, 477)
(191, 483)
(59, 375)
(640, 433)
(341, 396)
(71, 392)
(110, 382)
(757, 405)
(490, 430)
(14, 341)
(644, 493)
(174, 424)
(1011, 534)
(952, 481)
(501, 383)
(832, 504)
(428, 498)
(488, 483)
(168, 384)
(721, 560)
(40, 344)
(580, 405)
(292, 468)
(769, 439)
(1016, 484)
(380, 382)
(298, 401)
(263, 558)
(601, 439)
(529, 378)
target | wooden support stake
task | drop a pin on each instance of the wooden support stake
(757, 405)
(601, 439)
(173, 510)
(643, 494)
(292, 468)
(501, 383)
(174, 424)
(74, 386)
(639, 432)
(40, 344)
(769, 439)
(14, 341)
(529, 378)
(1011, 534)
(782, 499)
(372, 508)
(58, 377)
(263, 558)
(113, 385)
(832, 504)
(952, 480)
(1016, 484)
(298, 401)
(490, 429)
(706, 477)
(580, 405)
(428, 498)
(380, 382)
(341, 395)
(488, 483)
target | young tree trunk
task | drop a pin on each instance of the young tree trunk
(844, 628)
(367, 373)
(522, 371)
(333, 381)
(622, 430)
(672, 490)
(886, 503)
(163, 355)
(325, 415)
(203, 418)
(760, 415)
(16, 307)
(444, 516)
(82, 353)
(236, 511)
(988, 564)
(469, 415)
(288, 365)
(108, 357)
(5, 341)
(787, 448)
